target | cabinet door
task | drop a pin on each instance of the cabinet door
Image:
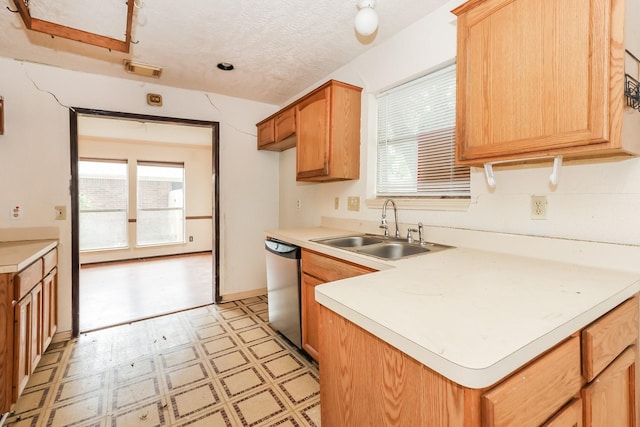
(606, 338)
(312, 118)
(37, 309)
(530, 79)
(285, 124)
(266, 134)
(310, 316)
(610, 399)
(23, 311)
(50, 308)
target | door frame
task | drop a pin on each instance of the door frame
(75, 207)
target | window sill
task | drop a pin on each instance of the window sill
(426, 204)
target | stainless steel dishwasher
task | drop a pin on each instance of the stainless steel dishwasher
(283, 288)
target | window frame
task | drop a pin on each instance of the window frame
(183, 209)
(418, 202)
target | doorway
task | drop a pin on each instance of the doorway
(161, 158)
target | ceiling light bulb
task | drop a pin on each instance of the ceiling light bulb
(366, 20)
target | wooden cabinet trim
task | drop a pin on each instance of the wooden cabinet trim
(600, 346)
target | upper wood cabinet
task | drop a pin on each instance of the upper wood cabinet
(324, 125)
(277, 132)
(328, 127)
(538, 78)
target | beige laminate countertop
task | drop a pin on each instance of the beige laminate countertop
(473, 316)
(15, 256)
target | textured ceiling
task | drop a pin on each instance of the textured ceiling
(278, 47)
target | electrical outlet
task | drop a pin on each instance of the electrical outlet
(298, 204)
(191, 238)
(16, 212)
(538, 207)
(336, 203)
(353, 203)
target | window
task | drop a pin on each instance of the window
(416, 139)
(160, 218)
(103, 193)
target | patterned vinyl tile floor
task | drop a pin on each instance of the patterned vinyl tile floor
(219, 365)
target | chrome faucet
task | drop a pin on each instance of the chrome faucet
(384, 218)
(421, 233)
(419, 230)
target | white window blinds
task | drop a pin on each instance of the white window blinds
(416, 139)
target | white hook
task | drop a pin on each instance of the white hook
(557, 163)
(553, 178)
(488, 171)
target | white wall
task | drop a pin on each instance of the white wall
(35, 165)
(595, 200)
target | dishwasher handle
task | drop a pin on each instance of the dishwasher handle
(283, 249)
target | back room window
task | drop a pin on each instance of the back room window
(103, 196)
(160, 195)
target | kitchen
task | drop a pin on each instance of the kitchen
(595, 201)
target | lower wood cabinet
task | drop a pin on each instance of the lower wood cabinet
(316, 270)
(28, 321)
(365, 381)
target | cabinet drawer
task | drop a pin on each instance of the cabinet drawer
(536, 392)
(50, 261)
(328, 268)
(607, 337)
(27, 279)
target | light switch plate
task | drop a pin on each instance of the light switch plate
(61, 212)
(353, 203)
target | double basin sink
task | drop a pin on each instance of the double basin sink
(381, 247)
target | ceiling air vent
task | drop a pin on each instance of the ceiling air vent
(142, 69)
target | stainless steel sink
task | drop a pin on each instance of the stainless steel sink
(351, 241)
(393, 250)
(381, 247)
